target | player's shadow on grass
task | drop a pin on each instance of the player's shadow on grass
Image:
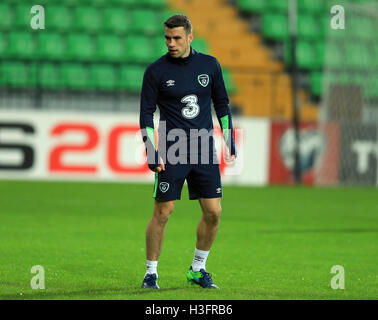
(89, 293)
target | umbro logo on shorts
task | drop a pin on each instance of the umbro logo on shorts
(219, 190)
(164, 186)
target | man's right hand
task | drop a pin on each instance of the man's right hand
(160, 167)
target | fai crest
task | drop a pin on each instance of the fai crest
(164, 186)
(203, 80)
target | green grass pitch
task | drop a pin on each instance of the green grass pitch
(273, 242)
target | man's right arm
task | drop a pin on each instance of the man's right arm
(146, 117)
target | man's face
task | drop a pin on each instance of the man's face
(178, 42)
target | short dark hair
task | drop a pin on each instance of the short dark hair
(179, 20)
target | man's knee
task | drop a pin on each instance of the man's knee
(212, 215)
(163, 210)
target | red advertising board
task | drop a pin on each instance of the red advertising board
(318, 156)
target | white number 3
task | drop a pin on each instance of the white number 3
(192, 109)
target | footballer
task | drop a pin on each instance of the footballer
(183, 83)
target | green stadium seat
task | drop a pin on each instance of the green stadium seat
(375, 53)
(80, 47)
(228, 81)
(310, 55)
(145, 21)
(22, 16)
(139, 49)
(333, 55)
(156, 4)
(361, 28)
(306, 55)
(103, 76)
(17, 74)
(110, 48)
(88, 19)
(357, 56)
(316, 83)
(51, 45)
(97, 3)
(200, 45)
(6, 16)
(125, 3)
(371, 90)
(21, 44)
(281, 6)
(163, 16)
(309, 27)
(49, 76)
(3, 45)
(131, 77)
(252, 6)
(58, 17)
(160, 48)
(75, 76)
(275, 26)
(311, 6)
(117, 20)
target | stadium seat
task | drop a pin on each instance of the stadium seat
(88, 19)
(21, 44)
(3, 45)
(155, 4)
(139, 49)
(125, 3)
(49, 76)
(361, 28)
(102, 76)
(75, 76)
(316, 83)
(139, 18)
(277, 6)
(6, 16)
(371, 89)
(275, 26)
(228, 81)
(306, 55)
(251, 6)
(131, 77)
(117, 20)
(51, 45)
(333, 55)
(375, 54)
(58, 17)
(357, 56)
(309, 27)
(22, 16)
(311, 7)
(97, 3)
(110, 48)
(17, 74)
(80, 46)
(160, 48)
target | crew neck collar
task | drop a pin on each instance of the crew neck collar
(182, 60)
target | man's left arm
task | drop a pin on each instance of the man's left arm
(222, 109)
